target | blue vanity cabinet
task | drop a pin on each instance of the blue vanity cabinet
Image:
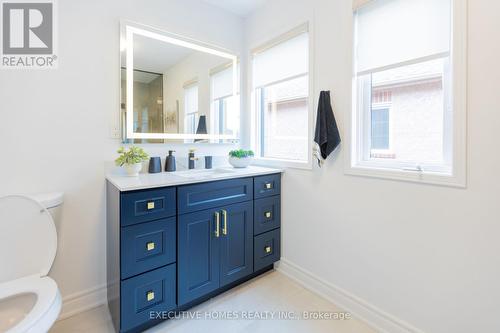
(198, 254)
(215, 245)
(236, 250)
(170, 248)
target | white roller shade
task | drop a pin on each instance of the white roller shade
(283, 60)
(390, 32)
(222, 83)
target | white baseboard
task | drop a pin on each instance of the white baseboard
(359, 308)
(82, 301)
(378, 319)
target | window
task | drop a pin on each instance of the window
(407, 117)
(222, 101)
(190, 108)
(281, 99)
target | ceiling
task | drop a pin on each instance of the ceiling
(241, 8)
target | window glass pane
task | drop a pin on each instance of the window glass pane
(190, 123)
(284, 117)
(222, 116)
(190, 109)
(191, 99)
(380, 129)
(407, 113)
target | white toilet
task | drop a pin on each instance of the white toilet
(29, 300)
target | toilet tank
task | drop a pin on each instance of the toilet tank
(49, 200)
(52, 201)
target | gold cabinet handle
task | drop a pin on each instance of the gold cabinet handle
(151, 205)
(150, 246)
(150, 296)
(268, 249)
(269, 186)
(217, 224)
(224, 227)
(268, 215)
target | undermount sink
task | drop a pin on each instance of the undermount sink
(208, 173)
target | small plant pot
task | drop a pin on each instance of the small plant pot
(240, 162)
(132, 170)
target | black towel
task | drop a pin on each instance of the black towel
(327, 133)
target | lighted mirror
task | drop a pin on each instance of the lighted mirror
(174, 88)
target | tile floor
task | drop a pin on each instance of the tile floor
(272, 292)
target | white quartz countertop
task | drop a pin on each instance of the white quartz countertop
(145, 181)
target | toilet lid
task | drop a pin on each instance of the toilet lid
(28, 242)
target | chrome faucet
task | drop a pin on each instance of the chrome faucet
(192, 159)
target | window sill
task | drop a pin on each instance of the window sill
(274, 162)
(408, 176)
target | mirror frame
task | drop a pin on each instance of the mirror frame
(127, 30)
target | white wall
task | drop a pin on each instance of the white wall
(55, 124)
(425, 254)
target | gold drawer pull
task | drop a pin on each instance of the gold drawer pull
(151, 205)
(150, 296)
(150, 246)
(269, 186)
(268, 215)
(268, 249)
(217, 224)
(224, 226)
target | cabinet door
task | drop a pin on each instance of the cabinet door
(236, 242)
(198, 255)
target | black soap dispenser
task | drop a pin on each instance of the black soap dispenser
(170, 162)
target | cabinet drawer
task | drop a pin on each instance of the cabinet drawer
(198, 197)
(266, 186)
(147, 246)
(267, 214)
(145, 293)
(266, 249)
(149, 205)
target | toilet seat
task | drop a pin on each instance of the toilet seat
(27, 254)
(47, 305)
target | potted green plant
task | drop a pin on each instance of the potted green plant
(240, 158)
(131, 160)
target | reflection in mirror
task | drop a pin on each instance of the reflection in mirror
(174, 89)
(148, 103)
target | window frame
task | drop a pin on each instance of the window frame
(354, 163)
(256, 117)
